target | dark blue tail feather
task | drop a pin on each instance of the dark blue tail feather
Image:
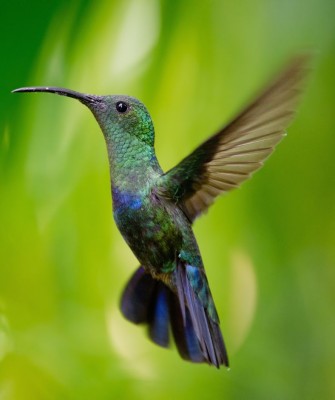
(137, 297)
(184, 334)
(159, 315)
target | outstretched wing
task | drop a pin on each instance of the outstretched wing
(229, 157)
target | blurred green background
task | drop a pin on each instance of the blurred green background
(269, 247)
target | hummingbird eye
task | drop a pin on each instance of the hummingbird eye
(121, 106)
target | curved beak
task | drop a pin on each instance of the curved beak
(87, 99)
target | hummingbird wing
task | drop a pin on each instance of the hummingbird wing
(229, 157)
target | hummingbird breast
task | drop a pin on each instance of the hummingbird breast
(151, 228)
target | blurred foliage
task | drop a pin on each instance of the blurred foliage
(269, 247)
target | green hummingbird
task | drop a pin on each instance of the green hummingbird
(154, 211)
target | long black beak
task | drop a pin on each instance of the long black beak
(87, 99)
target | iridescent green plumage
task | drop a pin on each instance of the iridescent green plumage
(154, 211)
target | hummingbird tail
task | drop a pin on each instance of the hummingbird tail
(198, 338)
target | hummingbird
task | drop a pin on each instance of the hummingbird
(154, 210)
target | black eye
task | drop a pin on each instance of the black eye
(121, 106)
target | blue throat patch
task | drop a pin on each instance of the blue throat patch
(123, 200)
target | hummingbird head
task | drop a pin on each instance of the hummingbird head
(117, 115)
